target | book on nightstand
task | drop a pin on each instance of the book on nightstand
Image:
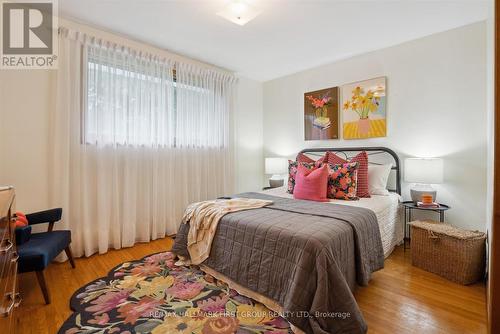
(428, 205)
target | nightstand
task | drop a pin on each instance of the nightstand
(409, 206)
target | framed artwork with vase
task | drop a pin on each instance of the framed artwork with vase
(364, 109)
(321, 114)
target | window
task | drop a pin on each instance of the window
(134, 101)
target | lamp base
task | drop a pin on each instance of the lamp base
(418, 190)
(275, 183)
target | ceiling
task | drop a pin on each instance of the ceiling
(287, 37)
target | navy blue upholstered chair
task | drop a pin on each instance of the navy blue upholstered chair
(37, 250)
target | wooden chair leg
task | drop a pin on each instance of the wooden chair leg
(43, 286)
(70, 256)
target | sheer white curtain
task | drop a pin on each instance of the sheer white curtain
(135, 139)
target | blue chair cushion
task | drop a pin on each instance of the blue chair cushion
(41, 249)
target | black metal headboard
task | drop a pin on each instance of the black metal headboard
(349, 152)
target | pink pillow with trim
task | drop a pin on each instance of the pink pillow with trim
(312, 184)
(305, 159)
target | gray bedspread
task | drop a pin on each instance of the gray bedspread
(307, 256)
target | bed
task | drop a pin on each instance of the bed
(386, 208)
(305, 259)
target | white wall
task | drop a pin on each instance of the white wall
(26, 97)
(248, 136)
(25, 100)
(436, 107)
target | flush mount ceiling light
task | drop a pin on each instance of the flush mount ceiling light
(239, 12)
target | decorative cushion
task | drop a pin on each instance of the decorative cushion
(304, 158)
(311, 184)
(362, 159)
(378, 175)
(21, 221)
(292, 171)
(41, 249)
(343, 181)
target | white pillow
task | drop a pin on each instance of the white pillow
(378, 175)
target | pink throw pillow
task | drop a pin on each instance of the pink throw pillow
(292, 171)
(311, 184)
(302, 158)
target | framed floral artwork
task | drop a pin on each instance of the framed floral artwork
(364, 109)
(321, 114)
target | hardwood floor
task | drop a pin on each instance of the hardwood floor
(399, 299)
(405, 299)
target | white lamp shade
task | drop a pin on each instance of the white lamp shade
(424, 170)
(276, 165)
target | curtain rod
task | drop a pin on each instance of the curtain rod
(84, 37)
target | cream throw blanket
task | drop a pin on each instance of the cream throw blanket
(203, 218)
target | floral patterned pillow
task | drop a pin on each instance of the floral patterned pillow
(292, 172)
(343, 181)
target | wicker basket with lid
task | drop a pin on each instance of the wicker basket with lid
(453, 253)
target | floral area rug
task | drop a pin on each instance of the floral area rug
(153, 295)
